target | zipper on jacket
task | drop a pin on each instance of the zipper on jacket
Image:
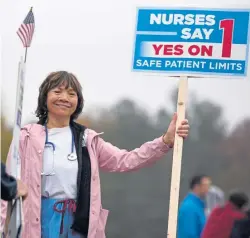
(79, 164)
(26, 141)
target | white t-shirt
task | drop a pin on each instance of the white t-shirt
(63, 184)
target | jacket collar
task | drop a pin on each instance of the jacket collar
(38, 129)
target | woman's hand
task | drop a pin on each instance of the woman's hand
(22, 190)
(181, 131)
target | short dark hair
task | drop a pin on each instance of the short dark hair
(54, 80)
(197, 180)
(239, 199)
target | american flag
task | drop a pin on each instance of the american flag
(26, 30)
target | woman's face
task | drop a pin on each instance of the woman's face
(62, 101)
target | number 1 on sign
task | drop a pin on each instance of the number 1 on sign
(227, 26)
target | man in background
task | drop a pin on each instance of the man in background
(222, 218)
(191, 216)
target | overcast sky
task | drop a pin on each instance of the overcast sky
(94, 40)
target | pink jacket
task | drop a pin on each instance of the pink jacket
(102, 154)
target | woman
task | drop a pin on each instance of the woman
(61, 160)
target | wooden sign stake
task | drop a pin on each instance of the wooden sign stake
(177, 158)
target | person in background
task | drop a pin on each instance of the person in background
(214, 198)
(10, 187)
(61, 160)
(191, 215)
(222, 218)
(241, 228)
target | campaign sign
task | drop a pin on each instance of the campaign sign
(192, 41)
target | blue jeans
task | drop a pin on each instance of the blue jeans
(57, 218)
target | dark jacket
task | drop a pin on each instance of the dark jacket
(241, 228)
(221, 220)
(8, 185)
(81, 219)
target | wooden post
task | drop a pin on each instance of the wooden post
(177, 157)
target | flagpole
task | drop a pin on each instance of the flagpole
(26, 51)
(15, 220)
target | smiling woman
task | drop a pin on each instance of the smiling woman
(60, 95)
(60, 160)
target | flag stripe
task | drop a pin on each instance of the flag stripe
(21, 37)
(25, 33)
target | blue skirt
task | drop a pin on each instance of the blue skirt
(57, 218)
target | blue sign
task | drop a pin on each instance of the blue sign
(192, 41)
